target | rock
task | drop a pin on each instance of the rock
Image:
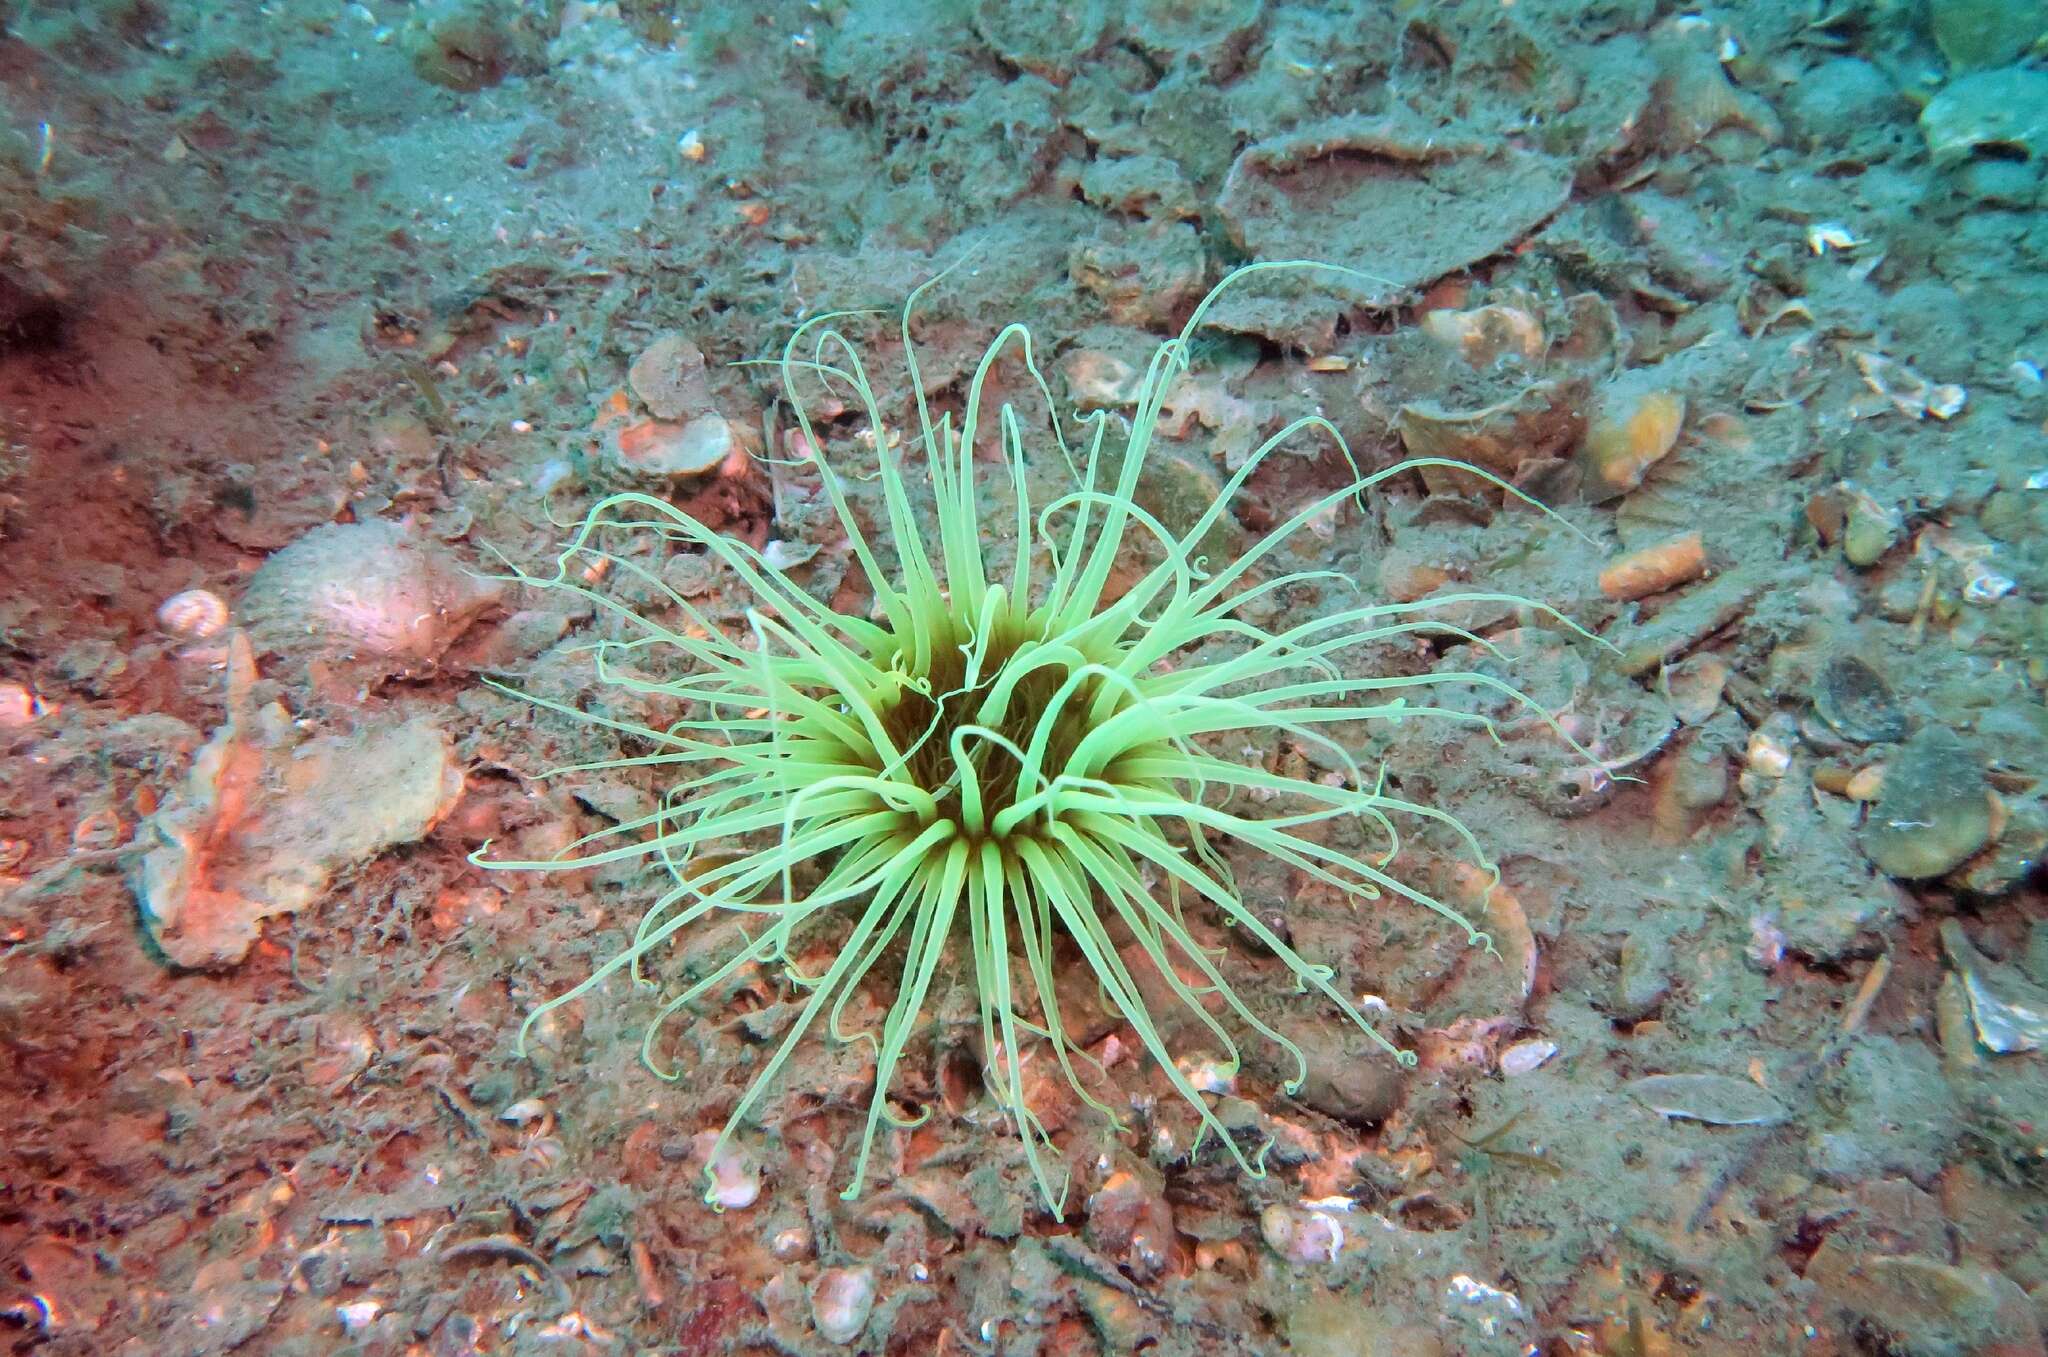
(1143, 276)
(470, 45)
(1130, 1221)
(1408, 202)
(1178, 491)
(1325, 1325)
(2001, 113)
(1349, 1078)
(1643, 979)
(1925, 1308)
(1934, 812)
(375, 592)
(1180, 33)
(1886, 1112)
(1147, 186)
(1692, 96)
(265, 820)
(1975, 34)
(669, 379)
(1045, 38)
(1542, 421)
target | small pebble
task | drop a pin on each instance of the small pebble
(18, 706)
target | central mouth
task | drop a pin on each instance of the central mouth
(978, 705)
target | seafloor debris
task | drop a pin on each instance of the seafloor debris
(1403, 196)
(266, 819)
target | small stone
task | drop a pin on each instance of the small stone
(1632, 432)
(1129, 1219)
(1934, 811)
(1643, 980)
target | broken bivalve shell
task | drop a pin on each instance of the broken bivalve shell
(2008, 1011)
(1303, 1233)
(1716, 1099)
(1485, 334)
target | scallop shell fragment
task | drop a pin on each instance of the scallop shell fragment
(194, 615)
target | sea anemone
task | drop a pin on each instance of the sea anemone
(1017, 747)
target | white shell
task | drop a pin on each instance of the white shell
(524, 1111)
(734, 1175)
(1301, 1234)
(357, 1315)
(1524, 1056)
(195, 615)
(841, 1300)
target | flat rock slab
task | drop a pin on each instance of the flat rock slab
(265, 820)
(1934, 812)
(1385, 197)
